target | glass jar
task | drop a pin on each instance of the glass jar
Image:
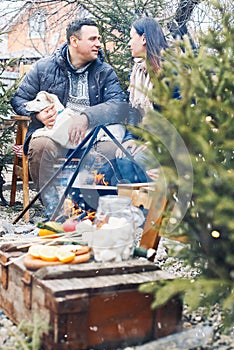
(114, 229)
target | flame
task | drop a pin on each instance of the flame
(70, 208)
(99, 179)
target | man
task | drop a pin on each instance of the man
(80, 78)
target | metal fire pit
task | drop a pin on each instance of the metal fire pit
(90, 139)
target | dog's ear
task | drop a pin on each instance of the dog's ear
(42, 94)
(49, 97)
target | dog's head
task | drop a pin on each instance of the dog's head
(42, 101)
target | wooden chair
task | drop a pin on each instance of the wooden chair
(20, 165)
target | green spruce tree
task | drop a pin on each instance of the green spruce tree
(203, 118)
(6, 133)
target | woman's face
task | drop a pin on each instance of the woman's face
(137, 44)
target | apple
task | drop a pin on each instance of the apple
(69, 225)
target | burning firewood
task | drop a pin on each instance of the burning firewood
(72, 211)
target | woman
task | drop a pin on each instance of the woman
(146, 44)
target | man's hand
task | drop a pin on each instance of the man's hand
(78, 129)
(48, 116)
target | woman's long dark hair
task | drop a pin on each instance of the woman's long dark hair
(155, 39)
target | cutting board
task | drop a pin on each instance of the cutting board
(31, 263)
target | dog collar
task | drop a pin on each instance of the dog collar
(60, 111)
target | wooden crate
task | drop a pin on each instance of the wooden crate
(88, 306)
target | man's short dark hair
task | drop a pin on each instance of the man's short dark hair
(75, 26)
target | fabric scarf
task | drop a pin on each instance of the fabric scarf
(140, 84)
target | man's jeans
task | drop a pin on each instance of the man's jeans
(42, 156)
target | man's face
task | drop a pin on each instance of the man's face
(87, 44)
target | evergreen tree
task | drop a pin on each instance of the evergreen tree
(203, 118)
(6, 134)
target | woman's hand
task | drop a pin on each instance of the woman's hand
(132, 147)
(153, 174)
(48, 116)
(129, 145)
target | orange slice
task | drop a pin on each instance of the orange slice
(65, 256)
(34, 250)
(48, 253)
(44, 232)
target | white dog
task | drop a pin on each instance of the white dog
(64, 120)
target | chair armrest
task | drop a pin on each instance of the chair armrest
(21, 118)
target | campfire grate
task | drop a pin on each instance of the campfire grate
(84, 148)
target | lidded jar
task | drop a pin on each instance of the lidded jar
(114, 229)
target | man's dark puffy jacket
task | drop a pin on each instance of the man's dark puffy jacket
(107, 99)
